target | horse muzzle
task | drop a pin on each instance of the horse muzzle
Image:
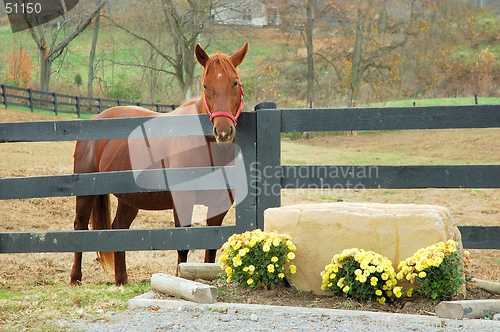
(224, 133)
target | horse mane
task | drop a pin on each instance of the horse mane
(224, 61)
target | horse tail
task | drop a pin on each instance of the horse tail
(101, 219)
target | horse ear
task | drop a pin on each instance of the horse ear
(201, 55)
(238, 57)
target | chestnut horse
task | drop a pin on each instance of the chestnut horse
(222, 101)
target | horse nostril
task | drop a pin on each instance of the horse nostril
(215, 132)
(231, 131)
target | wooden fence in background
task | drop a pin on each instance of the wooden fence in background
(60, 103)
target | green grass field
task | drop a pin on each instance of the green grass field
(43, 304)
(441, 102)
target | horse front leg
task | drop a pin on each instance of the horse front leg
(213, 221)
(84, 206)
(183, 213)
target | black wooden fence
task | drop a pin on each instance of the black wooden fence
(60, 103)
(258, 136)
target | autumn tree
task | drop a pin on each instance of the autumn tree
(377, 29)
(20, 67)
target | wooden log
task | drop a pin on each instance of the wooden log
(489, 286)
(182, 288)
(192, 271)
(467, 308)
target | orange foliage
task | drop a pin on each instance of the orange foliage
(21, 67)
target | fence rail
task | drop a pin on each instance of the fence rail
(258, 137)
(61, 103)
(122, 182)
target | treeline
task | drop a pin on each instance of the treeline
(302, 53)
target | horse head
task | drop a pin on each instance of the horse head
(222, 92)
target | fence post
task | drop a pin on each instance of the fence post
(475, 98)
(55, 102)
(100, 105)
(118, 102)
(77, 106)
(246, 136)
(157, 108)
(30, 99)
(268, 159)
(4, 95)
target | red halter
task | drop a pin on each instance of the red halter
(222, 113)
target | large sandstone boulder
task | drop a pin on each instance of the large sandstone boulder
(322, 230)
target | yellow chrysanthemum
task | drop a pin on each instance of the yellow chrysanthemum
(378, 292)
(223, 258)
(274, 259)
(290, 256)
(293, 269)
(250, 281)
(397, 291)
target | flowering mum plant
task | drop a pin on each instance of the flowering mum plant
(437, 270)
(365, 275)
(257, 259)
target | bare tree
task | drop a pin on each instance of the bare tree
(91, 75)
(185, 22)
(51, 50)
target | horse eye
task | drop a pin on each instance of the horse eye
(235, 84)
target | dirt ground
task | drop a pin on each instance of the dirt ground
(468, 207)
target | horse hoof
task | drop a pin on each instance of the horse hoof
(75, 282)
(121, 282)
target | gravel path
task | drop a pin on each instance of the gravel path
(187, 316)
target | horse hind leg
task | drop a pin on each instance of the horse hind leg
(125, 214)
(84, 206)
